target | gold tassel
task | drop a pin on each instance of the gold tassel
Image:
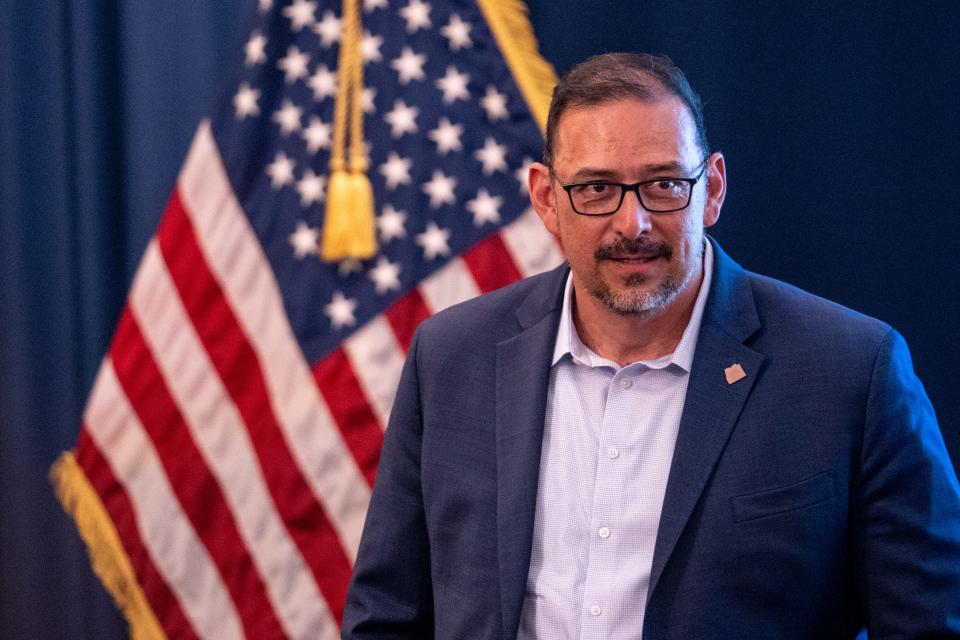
(349, 227)
(364, 239)
(348, 230)
(107, 555)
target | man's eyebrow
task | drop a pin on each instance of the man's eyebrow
(587, 174)
(672, 168)
(590, 173)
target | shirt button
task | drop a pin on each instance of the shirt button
(604, 532)
(626, 383)
(595, 609)
(613, 453)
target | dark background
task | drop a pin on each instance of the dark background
(838, 122)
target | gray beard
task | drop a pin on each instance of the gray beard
(636, 303)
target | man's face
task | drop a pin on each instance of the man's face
(632, 262)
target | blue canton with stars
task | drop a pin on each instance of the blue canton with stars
(448, 133)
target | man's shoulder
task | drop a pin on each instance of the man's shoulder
(493, 315)
(785, 309)
(780, 307)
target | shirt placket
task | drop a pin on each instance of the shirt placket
(598, 613)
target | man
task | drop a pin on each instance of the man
(653, 442)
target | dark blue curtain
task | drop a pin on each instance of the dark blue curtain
(98, 103)
(838, 123)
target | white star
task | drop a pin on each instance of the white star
(417, 15)
(485, 208)
(254, 50)
(301, 14)
(446, 136)
(288, 117)
(370, 47)
(366, 99)
(495, 104)
(391, 224)
(396, 170)
(348, 266)
(329, 29)
(440, 189)
(454, 85)
(340, 311)
(311, 188)
(402, 119)
(434, 241)
(323, 82)
(316, 135)
(304, 240)
(457, 32)
(409, 66)
(370, 5)
(264, 5)
(245, 102)
(294, 65)
(385, 275)
(523, 175)
(280, 170)
(492, 156)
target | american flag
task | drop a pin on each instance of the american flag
(230, 442)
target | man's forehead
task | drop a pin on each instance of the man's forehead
(661, 128)
(658, 106)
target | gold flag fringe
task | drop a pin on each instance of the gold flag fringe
(535, 76)
(107, 555)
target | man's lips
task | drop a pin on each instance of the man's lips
(635, 257)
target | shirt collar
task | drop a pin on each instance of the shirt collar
(568, 341)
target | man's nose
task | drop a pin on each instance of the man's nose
(631, 219)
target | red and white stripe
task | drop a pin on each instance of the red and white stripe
(217, 428)
(161, 525)
(236, 473)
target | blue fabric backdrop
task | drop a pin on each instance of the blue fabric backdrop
(839, 127)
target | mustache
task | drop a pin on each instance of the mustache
(641, 247)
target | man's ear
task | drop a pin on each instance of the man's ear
(716, 188)
(542, 198)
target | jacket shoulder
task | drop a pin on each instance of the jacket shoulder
(493, 315)
(788, 310)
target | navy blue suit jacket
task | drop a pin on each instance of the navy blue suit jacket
(809, 499)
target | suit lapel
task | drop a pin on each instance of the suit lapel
(712, 404)
(523, 374)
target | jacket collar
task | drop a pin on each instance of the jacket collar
(523, 373)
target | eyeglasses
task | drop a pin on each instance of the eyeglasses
(660, 195)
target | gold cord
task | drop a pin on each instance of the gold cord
(348, 230)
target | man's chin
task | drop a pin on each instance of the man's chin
(636, 300)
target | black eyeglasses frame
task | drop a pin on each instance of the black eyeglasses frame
(635, 188)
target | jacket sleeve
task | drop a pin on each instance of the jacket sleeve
(390, 594)
(907, 516)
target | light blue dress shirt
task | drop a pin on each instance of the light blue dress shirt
(608, 442)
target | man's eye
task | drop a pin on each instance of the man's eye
(593, 189)
(666, 185)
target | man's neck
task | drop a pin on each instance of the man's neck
(629, 338)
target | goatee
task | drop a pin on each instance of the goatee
(633, 300)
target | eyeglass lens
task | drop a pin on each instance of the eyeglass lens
(601, 198)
